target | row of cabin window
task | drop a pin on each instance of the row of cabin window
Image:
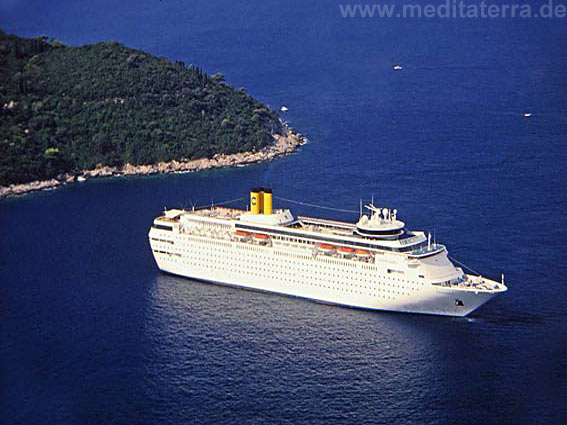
(162, 240)
(328, 261)
(207, 260)
(328, 275)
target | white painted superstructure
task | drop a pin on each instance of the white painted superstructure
(374, 264)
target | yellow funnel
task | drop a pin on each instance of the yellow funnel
(267, 204)
(255, 201)
(260, 200)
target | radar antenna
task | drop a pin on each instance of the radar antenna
(372, 208)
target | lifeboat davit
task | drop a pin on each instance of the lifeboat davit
(326, 248)
(261, 238)
(241, 236)
(362, 254)
(345, 251)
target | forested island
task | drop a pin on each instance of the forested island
(104, 109)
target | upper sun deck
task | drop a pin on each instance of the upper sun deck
(218, 212)
(318, 225)
(303, 226)
(317, 230)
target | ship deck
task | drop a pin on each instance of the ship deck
(311, 224)
(310, 227)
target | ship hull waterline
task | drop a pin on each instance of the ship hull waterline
(429, 304)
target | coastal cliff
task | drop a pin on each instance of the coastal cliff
(283, 145)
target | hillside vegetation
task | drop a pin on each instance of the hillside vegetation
(72, 108)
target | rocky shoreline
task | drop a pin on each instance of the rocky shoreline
(283, 145)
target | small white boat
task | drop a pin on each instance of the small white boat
(398, 68)
(527, 114)
(284, 109)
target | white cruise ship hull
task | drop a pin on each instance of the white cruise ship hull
(299, 273)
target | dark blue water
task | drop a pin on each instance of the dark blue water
(92, 333)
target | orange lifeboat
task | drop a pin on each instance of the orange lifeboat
(326, 248)
(362, 254)
(261, 238)
(241, 235)
(345, 251)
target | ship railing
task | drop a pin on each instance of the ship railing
(168, 219)
(466, 282)
(453, 282)
(426, 251)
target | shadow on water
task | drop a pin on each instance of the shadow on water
(230, 341)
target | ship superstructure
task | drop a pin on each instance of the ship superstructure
(376, 263)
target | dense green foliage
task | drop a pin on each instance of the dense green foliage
(72, 108)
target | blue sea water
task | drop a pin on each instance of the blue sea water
(91, 332)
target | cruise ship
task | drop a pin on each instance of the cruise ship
(375, 263)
